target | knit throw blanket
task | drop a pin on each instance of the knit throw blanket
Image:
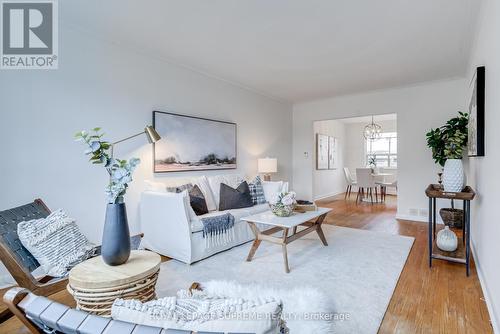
(218, 230)
(192, 306)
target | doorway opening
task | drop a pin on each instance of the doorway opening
(357, 159)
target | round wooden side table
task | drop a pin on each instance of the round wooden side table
(94, 285)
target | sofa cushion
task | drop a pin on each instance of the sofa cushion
(235, 198)
(232, 180)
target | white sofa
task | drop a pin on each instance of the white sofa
(172, 229)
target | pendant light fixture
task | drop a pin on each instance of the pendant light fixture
(372, 131)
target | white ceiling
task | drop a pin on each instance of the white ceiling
(294, 50)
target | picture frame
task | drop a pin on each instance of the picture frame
(332, 153)
(322, 142)
(193, 143)
(475, 108)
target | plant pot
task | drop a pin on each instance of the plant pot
(115, 248)
(446, 240)
(453, 218)
(453, 176)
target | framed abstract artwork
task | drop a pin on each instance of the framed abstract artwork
(193, 143)
(321, 151)
(475, 108)
(332, 153)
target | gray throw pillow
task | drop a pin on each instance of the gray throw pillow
(231, 198)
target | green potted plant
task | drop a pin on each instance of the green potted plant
(447, 144)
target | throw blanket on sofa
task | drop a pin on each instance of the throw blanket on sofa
(218, 230)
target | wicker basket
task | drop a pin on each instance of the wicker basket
(453, 218)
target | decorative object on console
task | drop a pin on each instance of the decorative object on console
(197, 143)
(476, 114)
(372, 131)
(267, 166)
(283, 204)
(116, 236)
(231, 198)
(452, 217)
(321, 151)
(447, 240)
(447, 144)
(434, 192)
(257, 191)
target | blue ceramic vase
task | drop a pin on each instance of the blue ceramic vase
(116, 235)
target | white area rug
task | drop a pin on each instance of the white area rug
(357, 272)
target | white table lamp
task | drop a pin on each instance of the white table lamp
(267, 166)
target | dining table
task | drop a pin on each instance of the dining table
(378, 198)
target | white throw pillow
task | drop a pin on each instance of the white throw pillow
(259, 315)
(56, 242)
(272, 189)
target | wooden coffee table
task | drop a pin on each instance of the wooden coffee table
(94, 285)
(311, 220)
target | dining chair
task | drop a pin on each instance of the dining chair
(365, 182)
(350, 182)
(387, 182)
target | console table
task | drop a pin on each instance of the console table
(462, 254)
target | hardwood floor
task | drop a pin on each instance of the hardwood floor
(437, 300)
(441, 299)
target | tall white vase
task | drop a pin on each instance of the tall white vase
(453, 175)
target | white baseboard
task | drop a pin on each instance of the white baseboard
(418, 218)
(412, 218)
(484, 287)
(320, 197)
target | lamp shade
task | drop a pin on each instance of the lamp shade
(267, 165)
(152, 135)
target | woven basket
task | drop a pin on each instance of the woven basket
(453, 218)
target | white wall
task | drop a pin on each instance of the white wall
(418, 109)
(355, 143)
(483, 172)
(330, 182)
(102, 84)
